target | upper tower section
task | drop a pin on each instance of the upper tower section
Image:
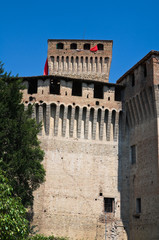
(74, 58)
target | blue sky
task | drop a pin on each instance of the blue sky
(26, 25)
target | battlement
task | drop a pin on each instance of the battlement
(73, 107)
(73, 58)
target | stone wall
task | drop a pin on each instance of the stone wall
(80, 137)
(139, 153)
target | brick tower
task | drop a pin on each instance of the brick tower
(73, 58)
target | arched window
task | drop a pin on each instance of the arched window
(86, 46)
(73, 46)
(59, 46)
(100, 46)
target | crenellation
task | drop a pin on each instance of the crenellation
(80, 62)
(57, 119)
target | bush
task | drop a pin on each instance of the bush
(13, 224)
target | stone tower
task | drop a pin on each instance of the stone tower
(101, 144)
(81, 114)
(73, 58)
(139, 151)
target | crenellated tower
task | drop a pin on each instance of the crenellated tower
(101, 144)
(73, 58)
(81, 116)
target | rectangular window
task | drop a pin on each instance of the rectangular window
(77, 88)
(138, 205)
(108, 204)
(133, 154)
(54, 87)
(32, 88)
(98, 90)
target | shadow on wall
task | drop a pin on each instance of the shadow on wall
(123, 169)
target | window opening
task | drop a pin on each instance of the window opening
(73, 46)
(133, 154)
(138, 205)
(86, 46)
(59, 46)
(108, 204)
(98, 90)
(31, 99)
(77, 88)
(100, 46)
(54, 87)
(32, 88)
(106, 60)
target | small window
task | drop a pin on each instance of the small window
(73, 46)
(100, 46)
(77, 88)
(98, 90)
(54, 87)
(108, 205)
(133, 154)
(138, 205)
(32, 88)
(86, 46)
(59, 46)
(132, 76)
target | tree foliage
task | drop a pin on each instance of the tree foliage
(19, 146)
(13, 224)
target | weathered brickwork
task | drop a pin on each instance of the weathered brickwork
(100, 142)
(140, 187)
(73, 58)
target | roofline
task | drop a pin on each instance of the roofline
(44, 77)
(152, 52)
(83, 40)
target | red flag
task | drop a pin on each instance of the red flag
(46, 68)
(94, 49)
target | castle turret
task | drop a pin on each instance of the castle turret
(74, 58)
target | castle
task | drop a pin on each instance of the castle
(101, 144)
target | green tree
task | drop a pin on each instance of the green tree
(19, 145)
(13, 224)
